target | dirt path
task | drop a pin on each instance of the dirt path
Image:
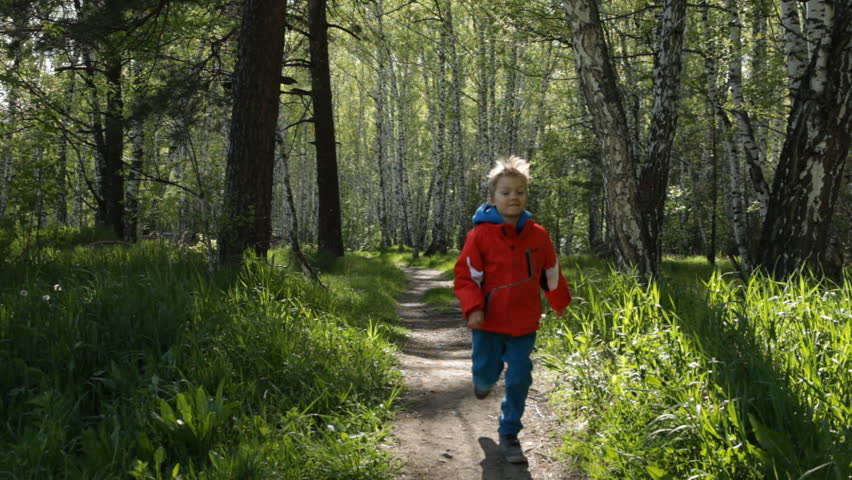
(445, 433)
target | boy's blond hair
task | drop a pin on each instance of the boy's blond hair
(513, 166)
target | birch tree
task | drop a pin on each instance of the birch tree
(654, 170)
(795, 48)
(630, 216)
(737, 207)
(437, 121)
(744, 124)
(815, 153)
(456, 152)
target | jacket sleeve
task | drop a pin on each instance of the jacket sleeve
(555, 286)
(469, 275)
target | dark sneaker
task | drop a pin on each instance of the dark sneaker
(480, 394)
(511, 448)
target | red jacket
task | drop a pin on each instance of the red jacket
(500, 272)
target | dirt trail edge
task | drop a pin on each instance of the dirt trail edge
(444, 432)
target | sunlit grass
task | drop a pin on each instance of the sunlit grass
(120, 361)
(704, 376)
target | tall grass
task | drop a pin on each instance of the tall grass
(705, 377)
(136, 361)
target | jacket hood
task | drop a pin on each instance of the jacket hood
(487, 213)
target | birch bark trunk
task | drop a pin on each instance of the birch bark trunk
(399, 89)
(810, 170)
(603, 98)
(438, 188)
(456, 154)
(795, 47)
(7, 156)
(483, 130)
(654, 171)
(737, 206)
(131, 199)
(745, 130)
(382, 135)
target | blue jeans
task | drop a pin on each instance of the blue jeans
(490, 352)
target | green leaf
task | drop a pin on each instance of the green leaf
(657, 473)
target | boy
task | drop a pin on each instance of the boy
(506, 258)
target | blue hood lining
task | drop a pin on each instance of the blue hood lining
(487, 213)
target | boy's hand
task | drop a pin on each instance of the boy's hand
(476, 319)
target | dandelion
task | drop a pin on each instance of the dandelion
(24, 293)
(46, 298)
(57, 288)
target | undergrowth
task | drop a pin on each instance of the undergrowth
(137, 361)
(703, 376)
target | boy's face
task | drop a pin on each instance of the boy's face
(510, 196)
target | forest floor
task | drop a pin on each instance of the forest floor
(444, 432)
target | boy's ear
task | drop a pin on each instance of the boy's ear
(490, 199)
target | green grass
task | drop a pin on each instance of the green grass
(137, 361)
(444, 263)
(442, 299)
(702, 376)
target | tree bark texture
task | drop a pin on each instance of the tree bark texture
(6, 157)
(383, 128)
(437, 119)
(599, 86)
(810, 170)
(131, 204)
(745, 131)
(654, 171)
(251, 150)
(737, 207)
(795, 48)
(329, 225)
(399, 87)
(111, 205)
(456, 155)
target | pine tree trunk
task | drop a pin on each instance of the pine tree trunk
(329, 224)
(251, 150)
(598, 82)
(112, 179)
(811, 167)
